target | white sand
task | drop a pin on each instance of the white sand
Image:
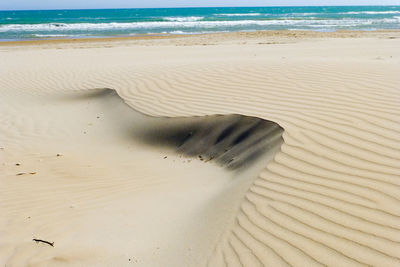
(330, 197)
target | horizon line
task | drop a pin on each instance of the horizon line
(183, 7)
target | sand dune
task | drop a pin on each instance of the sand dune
(82, 180)
(330, 196)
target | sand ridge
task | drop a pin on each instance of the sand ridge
(329, 197)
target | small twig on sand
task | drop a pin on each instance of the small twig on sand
(43, 241)
(23, 173)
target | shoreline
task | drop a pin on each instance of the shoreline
(222, 35)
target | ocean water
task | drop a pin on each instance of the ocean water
(45, 24)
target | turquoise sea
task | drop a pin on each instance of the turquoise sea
(45, 24)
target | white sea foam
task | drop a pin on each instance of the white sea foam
(187, 24)
(370, 12)
(51, 35)
(182, 32)
(238, 14)
(177, 32)
(183, 19)
(196, 32)
(303, 14)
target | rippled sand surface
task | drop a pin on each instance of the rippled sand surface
(77, 170)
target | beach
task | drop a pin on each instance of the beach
(82, 185)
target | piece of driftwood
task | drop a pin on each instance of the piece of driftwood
(43, 241)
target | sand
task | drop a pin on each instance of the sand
(74, 171)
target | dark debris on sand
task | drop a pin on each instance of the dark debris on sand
(230, 140)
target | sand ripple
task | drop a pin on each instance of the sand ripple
(331, 196)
